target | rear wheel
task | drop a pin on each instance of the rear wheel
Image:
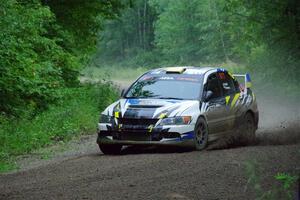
(247, 133)
(201, 134)
(110, 149)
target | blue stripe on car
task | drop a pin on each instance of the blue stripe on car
(188, 135)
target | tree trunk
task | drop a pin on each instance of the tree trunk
(139, 28)
(144, 24)
(221, 35)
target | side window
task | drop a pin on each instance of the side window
(227, 83)
(214, 86)
(236, 85)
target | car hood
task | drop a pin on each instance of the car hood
(150, 108)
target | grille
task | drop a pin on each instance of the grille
(135, 129)
(141, 122)
(135, 136)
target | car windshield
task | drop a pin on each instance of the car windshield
(166, 87)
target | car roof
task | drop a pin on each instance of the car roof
(182, 70)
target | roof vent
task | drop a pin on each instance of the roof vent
(175, 70)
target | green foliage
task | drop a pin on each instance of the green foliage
(81, 21)
(42, 46)
(262, 35)
(32, 65)
(76, 113)
(130, 36)
(282, 190)
(287, 182)
(192, 30)
(177, 21)
(270, 42)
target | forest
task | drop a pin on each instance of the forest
(45, 45)
(264, 36)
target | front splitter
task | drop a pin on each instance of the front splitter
(186, 143)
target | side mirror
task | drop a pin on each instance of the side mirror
(122, 92)
(208, 95)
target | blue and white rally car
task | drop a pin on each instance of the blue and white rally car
(181, 106)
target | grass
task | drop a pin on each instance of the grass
(77, 113)
(283, 187)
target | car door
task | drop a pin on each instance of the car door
(216, 105)
(231, 96)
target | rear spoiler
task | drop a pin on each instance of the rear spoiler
(245, 81)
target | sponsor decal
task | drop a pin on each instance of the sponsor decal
(150, 128)
(150, 102)
(187, 79)
(133, 101)
(146, 78)
(166, 78)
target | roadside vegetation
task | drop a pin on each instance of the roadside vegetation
(43, 47)
(75, 113)
(284, 186)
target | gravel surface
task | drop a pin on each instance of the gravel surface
(82, 172)
(78, 170)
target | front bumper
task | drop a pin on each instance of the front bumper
(182, 135)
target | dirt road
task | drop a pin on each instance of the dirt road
(82, 172)
(151, 174)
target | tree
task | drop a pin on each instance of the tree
(192, 31)
(40, 46)
(130, 34)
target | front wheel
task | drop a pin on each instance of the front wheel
(110, 149)
(201, 134)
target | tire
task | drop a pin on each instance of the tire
(247, 132)
(110, 149)
(201, 134)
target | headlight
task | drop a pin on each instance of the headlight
(176, 120)
(106, 119)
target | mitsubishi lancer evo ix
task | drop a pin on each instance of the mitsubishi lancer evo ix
(180, 106)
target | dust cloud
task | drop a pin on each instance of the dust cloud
(279, 121)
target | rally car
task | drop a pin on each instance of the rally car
(180, 106)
